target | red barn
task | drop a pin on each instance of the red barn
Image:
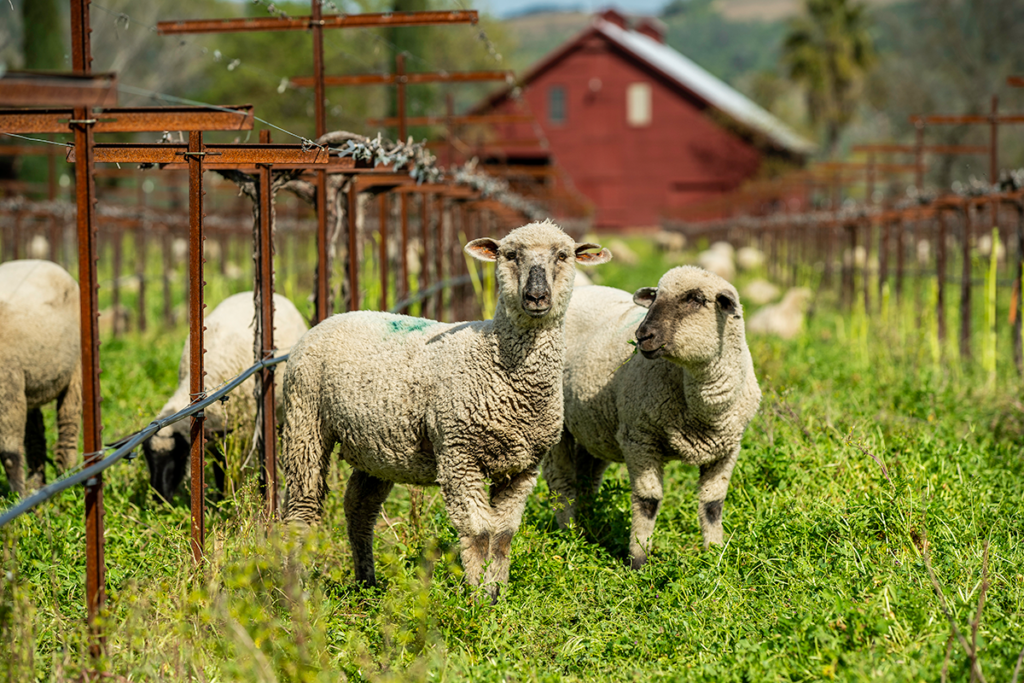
(639, 128)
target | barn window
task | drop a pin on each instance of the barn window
(556, 104)
(638, 104)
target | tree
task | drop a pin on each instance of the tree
(830, 52)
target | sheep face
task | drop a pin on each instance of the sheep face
(167, 454)
(690, 315)
(536, 268)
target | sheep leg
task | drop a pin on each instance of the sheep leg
(645, 478)
(589, 471)
(508, 500)
(13, 412)
(560, 473)
(35, 449)
(69, 416)
(470, 512)
(712, 487)
(364, 496)
(305, 460)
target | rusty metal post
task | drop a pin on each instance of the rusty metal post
(353, 245)
(919, 155)
(115, 283)
(383, 251)
(883, 257)
(197, 374)
(400, 79)
(167, 240)
(266, 313)
(322, 264)
(424, 261)
(140, 258)
(1016, 308)
(848, 268)
(92, 426)
(439, 272)
(866, 273)
(403, 285)
(965, 285)
(993, 154)
(940, 273)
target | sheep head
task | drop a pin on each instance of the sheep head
(536, 265)
(693, 316)
(167, 454)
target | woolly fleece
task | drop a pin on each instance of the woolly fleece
(229, 338)
(41, 337)
(689, 397)
(471, 407)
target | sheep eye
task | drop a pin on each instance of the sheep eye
(563, 256)
(696, 298)
(510, 255)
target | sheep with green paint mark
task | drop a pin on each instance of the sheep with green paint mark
(471, 407)
(689, 397)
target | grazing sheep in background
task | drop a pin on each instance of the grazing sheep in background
(760, 292)
(229, 338)
(469, 406)
(669, 241)
(623, 253)
(785, 318)
(749, 258)
(39, 248)
(718, 260)
(689, 398)
(985, 247)
(41, 338)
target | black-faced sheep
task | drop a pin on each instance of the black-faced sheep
(230, 330)
(471, 406)
(41, 338)
(689, 398)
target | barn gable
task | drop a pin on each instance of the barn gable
(639, 128)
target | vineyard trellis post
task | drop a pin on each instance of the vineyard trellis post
(317, 22)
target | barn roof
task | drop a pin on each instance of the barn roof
(687, 74)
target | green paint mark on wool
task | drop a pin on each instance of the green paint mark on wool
(407, 325)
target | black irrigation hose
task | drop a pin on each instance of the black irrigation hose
(125, 446)
(430, 291)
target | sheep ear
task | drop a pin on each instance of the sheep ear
(484, 249)
(602, 256)
(727, 304)
(645, 296)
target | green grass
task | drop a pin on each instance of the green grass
(822, 575)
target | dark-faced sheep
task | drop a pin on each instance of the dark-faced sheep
(230, 330)
(41, 338)
(688, 398)
(471, 407)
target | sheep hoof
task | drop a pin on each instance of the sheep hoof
(637, 561)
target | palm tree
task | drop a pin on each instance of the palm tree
(829, 50)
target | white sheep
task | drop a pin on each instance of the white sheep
(229, 336)
(470, 406)
(689, 398)
(749, 258)
(41, 338)
(581, 279)
(784, 319)
(760, 292)
(718, 259)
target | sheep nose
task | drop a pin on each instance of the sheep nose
(537, 294)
